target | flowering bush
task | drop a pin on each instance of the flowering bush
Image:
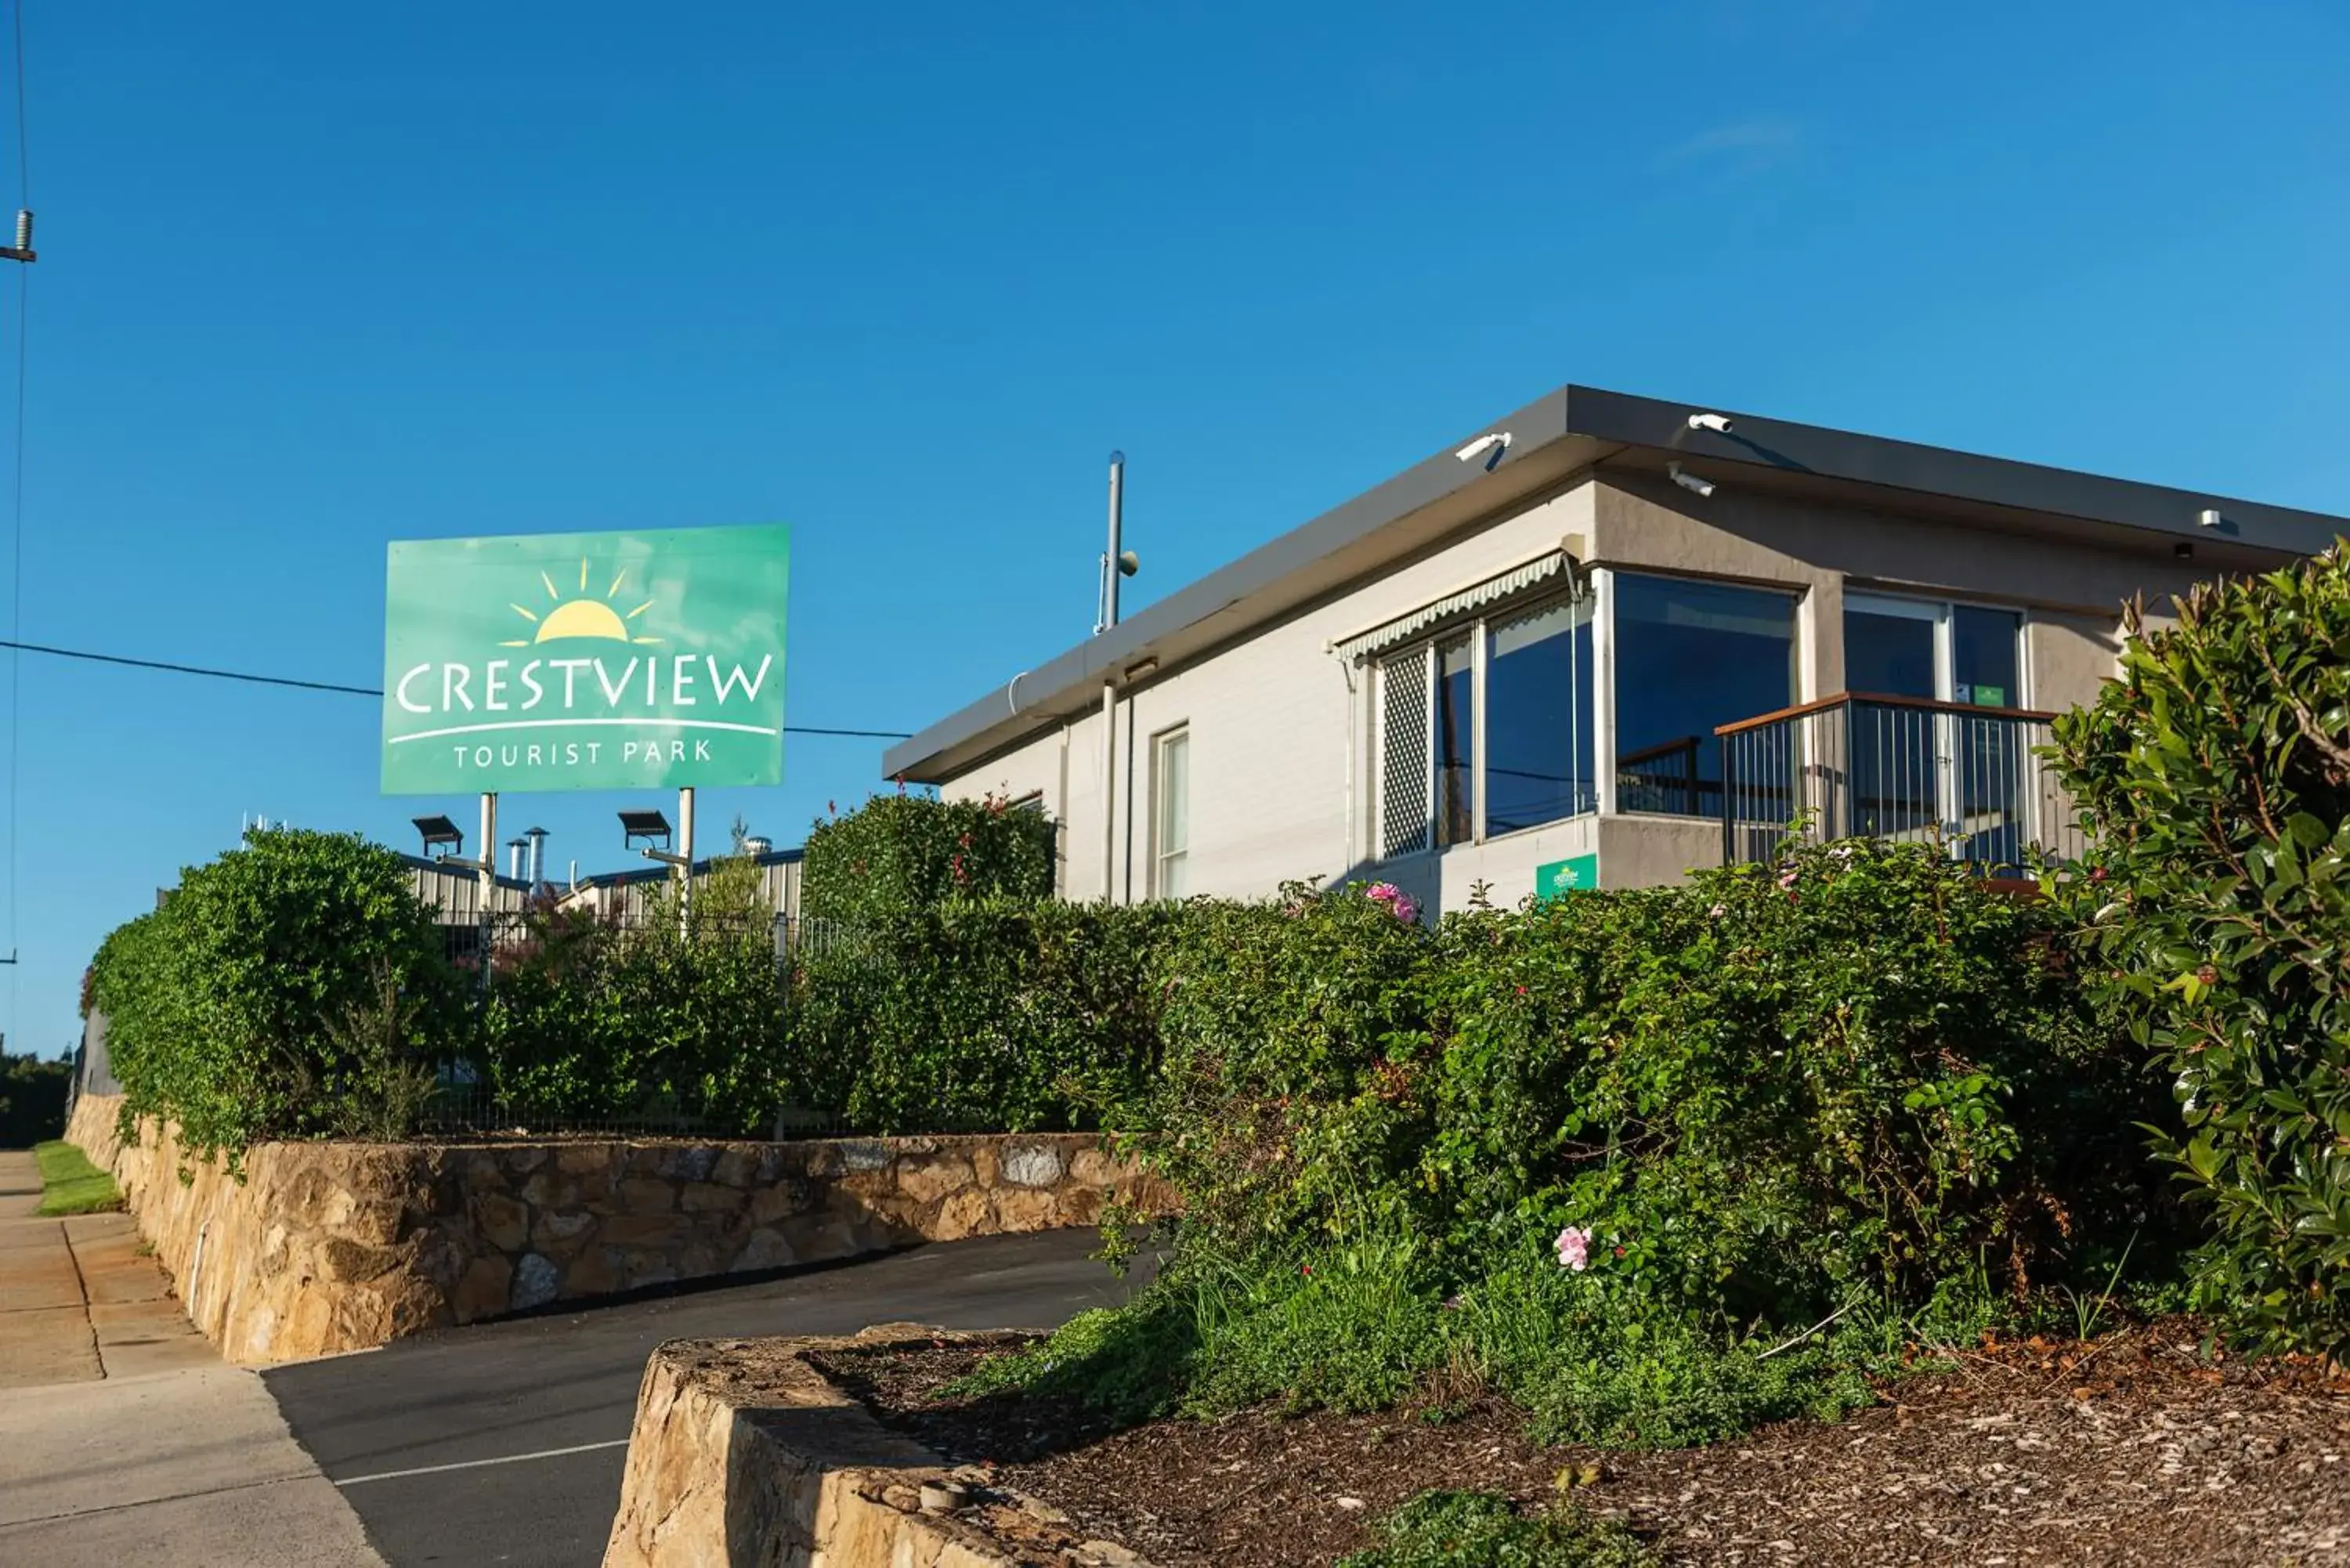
(1771, 1086)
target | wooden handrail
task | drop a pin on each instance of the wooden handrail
(1886, 700)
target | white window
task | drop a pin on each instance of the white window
(1171, 829)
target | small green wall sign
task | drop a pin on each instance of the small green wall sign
(1575, 874)
(556, 661)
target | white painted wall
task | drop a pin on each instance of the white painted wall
(1279, 742)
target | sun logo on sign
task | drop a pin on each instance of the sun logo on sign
(584, 616)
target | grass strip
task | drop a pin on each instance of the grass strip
(70, 1184)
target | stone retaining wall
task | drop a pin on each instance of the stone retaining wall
(744, 1456)
(329, 1246)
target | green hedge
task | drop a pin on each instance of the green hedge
(1755, 1094)
(588, 1021)
(998, 1014)
(2215, 919)
(285, 989)
(900, 853)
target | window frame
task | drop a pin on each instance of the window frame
(1160, 739)
(1796, 594)
(1942, 611)
(1477, 626)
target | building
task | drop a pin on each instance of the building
(1600, 641)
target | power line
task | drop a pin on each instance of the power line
(250, 679)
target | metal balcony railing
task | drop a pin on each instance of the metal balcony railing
(1860, 764)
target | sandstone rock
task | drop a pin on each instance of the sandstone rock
(561, 1225)
(535, 1280)
(345, 1262)
(503, 1222)
(964, 1214)
(709, 1198)
(1032, 1164)
(1096, 1169)
(735, 1168)
(644, 1195)
(780, 1201)
(643, 1229)
(765, 1250)
(526, 1158)
(640, 1268)
(1020, 1209)
(594, 1272)
(484, 1291)
(544, 1189)
(926, 1180)
(579, 1158)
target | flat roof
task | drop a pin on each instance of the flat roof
(1574, 428)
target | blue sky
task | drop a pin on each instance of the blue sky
(314, 277)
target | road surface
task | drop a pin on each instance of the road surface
(502, 1443)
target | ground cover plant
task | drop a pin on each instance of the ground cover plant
(1464, 1528)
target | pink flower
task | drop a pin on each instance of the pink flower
(1398, 903)
(1787, 877)
(1573, 1246)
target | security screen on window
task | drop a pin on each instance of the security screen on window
(1690, 655)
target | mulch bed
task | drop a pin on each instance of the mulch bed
(2131, 1450)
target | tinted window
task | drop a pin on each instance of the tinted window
(1689, 656)
(1538, 753)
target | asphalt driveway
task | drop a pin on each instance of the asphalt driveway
(504, 1443)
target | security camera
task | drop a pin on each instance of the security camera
(1717, 423)
(1688, 480)
(1478, 447)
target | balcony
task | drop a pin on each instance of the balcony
(1864, 765)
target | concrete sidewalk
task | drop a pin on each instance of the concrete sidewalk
(122, 1435)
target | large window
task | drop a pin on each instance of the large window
(1538, 718)
(1487, 728)
(1170, 829)
(1690, 655)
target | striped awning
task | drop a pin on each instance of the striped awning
(1363, 644)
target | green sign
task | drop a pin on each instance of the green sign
(550, 662)
(1576, 874)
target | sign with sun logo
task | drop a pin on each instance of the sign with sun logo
(560, 661)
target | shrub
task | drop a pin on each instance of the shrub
(1002, 1014)
(2215, 778)
(684, 1012)
(222, 1006)
(898, 853)
(1773, 1088)
(1289, 1031)
(1480, 1530)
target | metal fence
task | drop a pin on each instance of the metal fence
(1901, 768)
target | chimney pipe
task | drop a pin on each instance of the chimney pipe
(537, 836)
(515, 847)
